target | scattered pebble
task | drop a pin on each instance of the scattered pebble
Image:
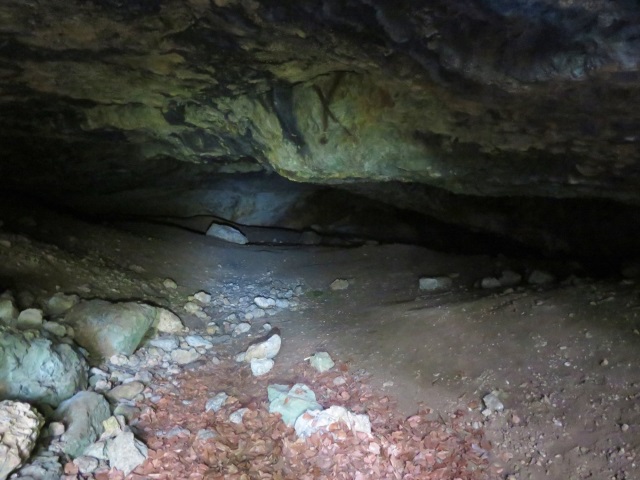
(241, 328)
(492, 402)
(264, 302)
(236, 417)
(184, 357)
(169, 284)
(261, 366)
(203, 297)
(321, 361)
(214, 404)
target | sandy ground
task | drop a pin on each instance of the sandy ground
(562, 358)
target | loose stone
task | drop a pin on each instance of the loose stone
(237, 416)
(321, 361)
(170, 284)
(184, 357)
(339, 284)
(241, 328)
(264, 302)
(435, 284)
(266, 349)
(29, 318)
(214, 404)
(261, 366)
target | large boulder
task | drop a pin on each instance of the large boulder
(37, 369)
(82, 415)
(106, 329)
(20, 426)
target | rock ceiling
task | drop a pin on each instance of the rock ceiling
(479, 97)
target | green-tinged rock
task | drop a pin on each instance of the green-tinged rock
(107, 329)
(59, 303)
(38, 370)
(321, 361)
(293, 403)
(83, 415)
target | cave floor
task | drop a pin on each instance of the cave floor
(562, 358)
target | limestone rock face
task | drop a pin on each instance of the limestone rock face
(106, 329)
(435, 92)
(39, 370)
(20, 426)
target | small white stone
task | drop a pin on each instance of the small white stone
(321, 361)
(282, 303)
(339, 284)
(261, 366)
(184, 357)
(214, 404)
(264, 302)
(167, 343)
(197, 341)
(339, 381)
(267, 349)
(30, 318)
(60, 303)
(203, 297)
(241, 328)
(170, 284)
(236, 417)
(86, 464)
(227, 233)
(192, 307)
(56, 429)
(492, 402)
(168, 322)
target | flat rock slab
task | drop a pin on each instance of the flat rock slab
(227, 233)
(125, 452)
(127, 391)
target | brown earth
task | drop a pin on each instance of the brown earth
(563, 358)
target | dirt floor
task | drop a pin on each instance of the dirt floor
(561, 358)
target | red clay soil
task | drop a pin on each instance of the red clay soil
(263, 447)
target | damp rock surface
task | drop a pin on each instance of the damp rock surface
(38, 369)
